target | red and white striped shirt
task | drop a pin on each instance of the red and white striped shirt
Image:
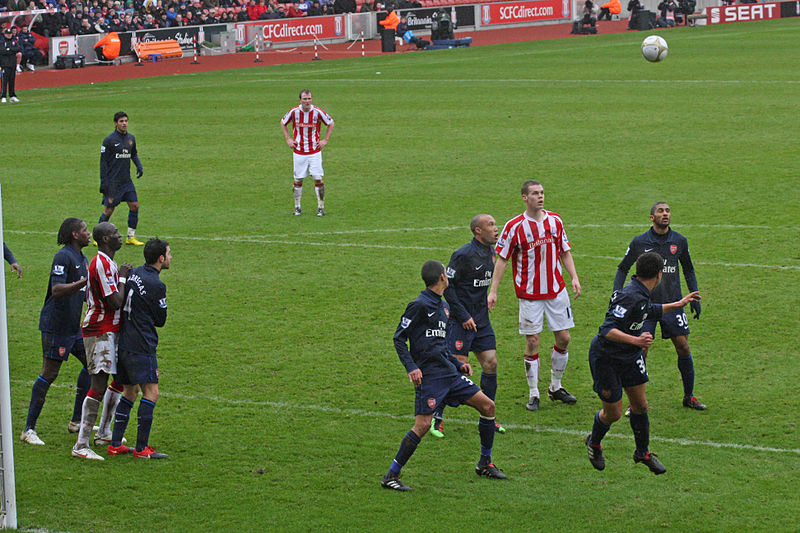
(306, 128)
(535, 249)
(103, 281)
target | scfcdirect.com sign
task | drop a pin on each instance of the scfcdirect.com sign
(510, 13)
(285, 31)
(743, 13)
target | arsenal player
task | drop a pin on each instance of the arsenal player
(537, 245)
(674, 248)
(306, 120)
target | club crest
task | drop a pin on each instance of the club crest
(459, 345)
(431, 402)
(673, 249)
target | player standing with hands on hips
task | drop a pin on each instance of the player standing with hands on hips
(617, 361)
(116, 154)
(674, 249)
(306, 120)
(537, 245)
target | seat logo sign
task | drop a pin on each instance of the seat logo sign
(743, 13)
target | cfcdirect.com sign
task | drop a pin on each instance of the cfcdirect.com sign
(742, 13)
(289, 30)
(514, 12)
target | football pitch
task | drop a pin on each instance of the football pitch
(283, 400)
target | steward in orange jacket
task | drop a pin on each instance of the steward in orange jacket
(107, 48)
(391, 22)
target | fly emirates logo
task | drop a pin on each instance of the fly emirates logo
(440, 332)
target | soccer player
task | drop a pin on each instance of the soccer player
(306, 120)
(60, 321)
(116, 153)
(100, 329)
(11, 260)
(468, 329)
(437, 376)
(617, 361)
(145, 310)
(674, 248)
(537, 245)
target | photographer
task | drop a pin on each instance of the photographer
(667, 18)
(441, 26)
(589, 18)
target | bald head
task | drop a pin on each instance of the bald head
(484, 228)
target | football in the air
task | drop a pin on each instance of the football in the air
(654, 48)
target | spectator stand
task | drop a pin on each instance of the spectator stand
(33, 13)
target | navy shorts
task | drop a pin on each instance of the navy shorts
(612, 375)
(126, 194)
(673, 324)
(133, 369)
(59, 347)
(461, 341)
(452, 390)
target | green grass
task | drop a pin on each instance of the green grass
(283, 400)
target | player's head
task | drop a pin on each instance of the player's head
(433, 273)
(660, 214)
(305, 99)
(484, 228)
(649, 265)
(533, 195)
(157, 252)
(121, 121)
(107, 237)
(74, 230)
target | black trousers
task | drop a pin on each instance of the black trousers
(9, 77)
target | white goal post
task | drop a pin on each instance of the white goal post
(8, 505)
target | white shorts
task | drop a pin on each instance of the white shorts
(556, 310)
(101, 353)
(307, 165)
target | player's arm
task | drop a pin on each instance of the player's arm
(289, 139)
(135, 159)
(689, 298)
(160, 307)
(328, 132)
(689, 275)
(115, 299)
(59, 287)
(457, 310)
(569, 266)
(11, 260)
(624, 266)
(499, 270)
(105, 165)
(643, 341)
(401, 344)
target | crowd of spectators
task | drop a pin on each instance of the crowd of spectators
(80, 17)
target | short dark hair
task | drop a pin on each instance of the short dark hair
(475, 222)
(101, 230)
(528, 184)
(153, 249)
(431, 272)
(648, 265)
(68, 227)
(118, 115)
(653, 209)
(304, 91)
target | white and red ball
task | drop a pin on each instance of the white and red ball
(654, 48)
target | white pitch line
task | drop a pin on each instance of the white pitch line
(380, 414)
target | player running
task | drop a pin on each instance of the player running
(674, 248)
(100, 329)
(469, 274)
(306, 120)
(537, 245)
(617, 361)
(116, 154)
(437, 376)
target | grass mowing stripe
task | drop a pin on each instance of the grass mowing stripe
(460, 421)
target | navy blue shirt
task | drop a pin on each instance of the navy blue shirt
(424, 326)
(62, 316)
(674, 248)
(145, 309)
(627, 311)
(115, 161)
(470, 274)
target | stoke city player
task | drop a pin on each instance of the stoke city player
(617, 362)
(100, 329)
(145, 310)
(437, 376)
(60, 322)
(469, 330)
(306, 120)
(674, 248)
(116, 153)
(537, 245)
